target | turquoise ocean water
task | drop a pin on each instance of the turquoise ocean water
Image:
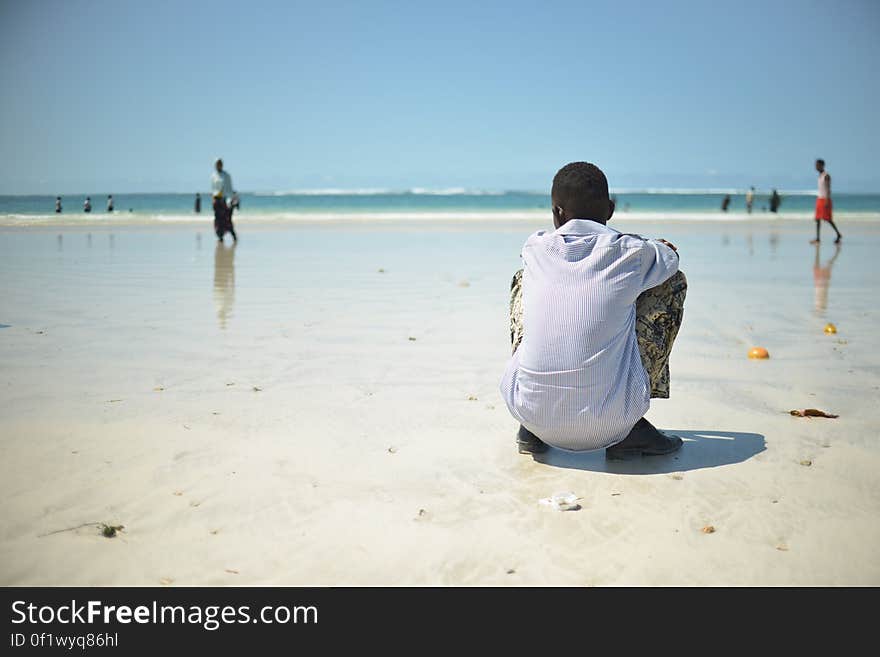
(366, 204)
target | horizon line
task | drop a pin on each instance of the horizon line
(445, 191)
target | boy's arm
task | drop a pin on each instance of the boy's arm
(659, 261)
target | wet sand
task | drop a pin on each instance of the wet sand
(263, 415)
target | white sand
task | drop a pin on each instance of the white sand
(362, 460)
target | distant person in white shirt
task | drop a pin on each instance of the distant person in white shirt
(58, 204)
(87, 204)
(594, 313)
(110, 203)
(221, 190)
(823, 202)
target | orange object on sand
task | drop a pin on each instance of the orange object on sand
(758, 352)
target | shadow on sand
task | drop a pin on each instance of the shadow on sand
(701, 449)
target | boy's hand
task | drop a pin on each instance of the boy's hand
(669, 244)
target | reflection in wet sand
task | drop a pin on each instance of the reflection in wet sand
(822, 279)
(224, 282)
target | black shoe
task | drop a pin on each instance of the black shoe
(644, 440)
(839, 237)
(529, 443)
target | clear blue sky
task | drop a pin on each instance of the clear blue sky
(141, 96)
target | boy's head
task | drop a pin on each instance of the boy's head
(820, 165)
(580, 191)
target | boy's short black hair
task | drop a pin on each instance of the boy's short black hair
(578, 186)
(820, 161)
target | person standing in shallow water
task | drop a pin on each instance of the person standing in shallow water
(110, 203)
(775, 200)
(87, 205)
(221, 190)
(593, 315)
(58, 204)
(823, 202)
(725, 203)
(198, 206)
(750, 199)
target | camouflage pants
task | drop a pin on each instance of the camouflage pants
(659, 312)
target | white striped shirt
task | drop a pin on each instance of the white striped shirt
(577, 380)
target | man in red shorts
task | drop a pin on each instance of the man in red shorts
(823, 202)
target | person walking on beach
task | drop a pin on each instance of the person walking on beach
(823, 202)
(593, 315)
(750, 199)
(58, 204)
(87, 205)
(198, 207)
(775, 200)
(110, 203)
(725, 203)
(221, 189)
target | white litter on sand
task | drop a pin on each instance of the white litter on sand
(562, 501)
